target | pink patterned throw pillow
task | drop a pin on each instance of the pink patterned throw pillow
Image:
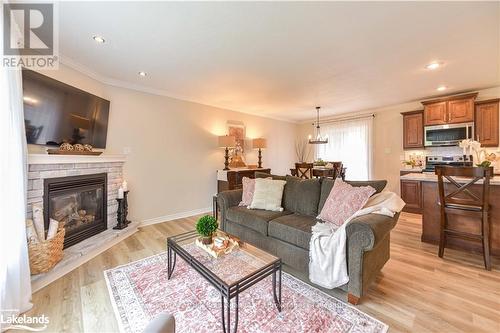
(343, 201)
(248, 189)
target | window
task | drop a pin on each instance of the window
(349, 141)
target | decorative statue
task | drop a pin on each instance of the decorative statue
(237, 160)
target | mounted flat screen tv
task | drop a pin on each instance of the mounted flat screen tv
(55, 112)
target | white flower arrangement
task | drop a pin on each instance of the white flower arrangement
(483, 159)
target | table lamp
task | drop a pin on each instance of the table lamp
(259, 143)
(227, 141)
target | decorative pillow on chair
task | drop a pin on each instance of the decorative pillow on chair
(248, 189)
(268, 194)
(343, 201)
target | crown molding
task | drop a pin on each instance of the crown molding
(455, 94)
(160, 92)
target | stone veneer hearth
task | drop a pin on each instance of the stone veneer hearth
(41, 166)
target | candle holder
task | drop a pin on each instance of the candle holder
(125, 207)
(120, 216)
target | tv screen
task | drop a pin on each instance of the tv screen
(55, 112)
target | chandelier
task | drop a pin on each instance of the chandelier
(318, 139)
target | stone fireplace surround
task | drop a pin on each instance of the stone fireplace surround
(43, 166)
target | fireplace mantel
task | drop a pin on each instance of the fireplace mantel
(65, 159)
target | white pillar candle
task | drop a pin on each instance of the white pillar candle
(120, 193)
(124, 186)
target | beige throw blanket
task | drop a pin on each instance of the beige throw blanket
(327, 250)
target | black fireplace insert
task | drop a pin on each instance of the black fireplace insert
(80, 202)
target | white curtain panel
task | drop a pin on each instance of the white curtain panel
(15, 283)
(349, 141)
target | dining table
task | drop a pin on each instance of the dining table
(319, 171)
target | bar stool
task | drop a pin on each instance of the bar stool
(461, 200)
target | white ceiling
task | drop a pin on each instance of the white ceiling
(281, 59)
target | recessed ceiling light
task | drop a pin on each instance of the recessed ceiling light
(99, 39)
(434, 65)
(442, 88)
(143, 73)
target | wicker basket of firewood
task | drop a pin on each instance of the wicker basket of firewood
(46, 254)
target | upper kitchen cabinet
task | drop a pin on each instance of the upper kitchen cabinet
(413, 129)
(449, 110)
(461, 110)
(486, 124)
(435, 113)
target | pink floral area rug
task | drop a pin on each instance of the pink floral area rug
(140, 290)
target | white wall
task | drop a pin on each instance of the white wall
(174, 156)
(388, 138)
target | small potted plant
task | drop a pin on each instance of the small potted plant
(206, 227)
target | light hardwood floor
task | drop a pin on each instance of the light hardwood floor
(416, 291)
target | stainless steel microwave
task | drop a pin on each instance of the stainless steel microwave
(447, 135)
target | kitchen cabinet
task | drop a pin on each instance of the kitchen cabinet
(413, 129)
(435, 114)
(411, 193)
(461, 111)
(486, 125)
(449, 110)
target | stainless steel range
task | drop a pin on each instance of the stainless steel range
(432, 161)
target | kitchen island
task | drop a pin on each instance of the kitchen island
(429, 198)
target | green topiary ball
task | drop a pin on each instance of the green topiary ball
(206, 225)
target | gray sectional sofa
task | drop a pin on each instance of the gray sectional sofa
(286, 234)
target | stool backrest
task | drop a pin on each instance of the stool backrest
(463, 195)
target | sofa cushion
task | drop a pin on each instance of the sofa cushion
(259, 174)
(301, 196)
(327, 184)
(343, 201)
(255, 219)
(294, 229)
(268, 194)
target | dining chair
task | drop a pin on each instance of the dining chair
(459, 198)
(337, 169)
(304, 170)
(342, 173)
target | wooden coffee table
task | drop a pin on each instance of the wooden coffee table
(231, 273)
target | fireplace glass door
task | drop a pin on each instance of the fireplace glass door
(80, 203)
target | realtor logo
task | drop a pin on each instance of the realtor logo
(29, 36)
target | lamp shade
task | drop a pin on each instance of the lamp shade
(227, 141)
(259, 143)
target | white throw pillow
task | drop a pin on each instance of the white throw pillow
(268, 194)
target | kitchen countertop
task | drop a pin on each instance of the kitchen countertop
(415, 169)
(430, 177)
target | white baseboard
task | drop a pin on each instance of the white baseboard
(175, 216)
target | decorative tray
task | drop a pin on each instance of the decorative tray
(216, 251)
(57, 151)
